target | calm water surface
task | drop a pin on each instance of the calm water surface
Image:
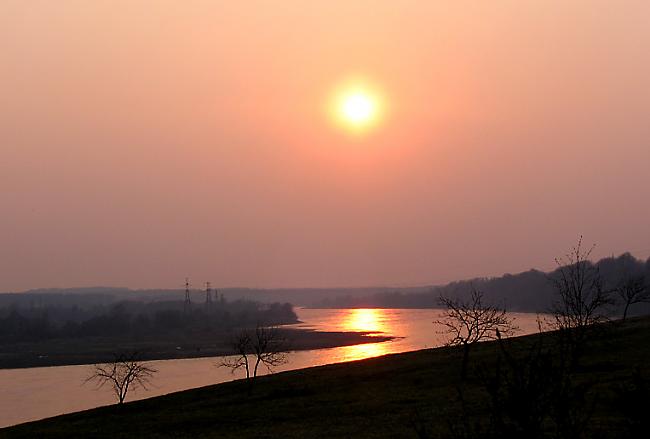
(35, 393)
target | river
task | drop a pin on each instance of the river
(36, 393)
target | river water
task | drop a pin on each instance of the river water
(36, 393)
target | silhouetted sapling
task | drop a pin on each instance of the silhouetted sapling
(632, 290)
(582, 299)
(126, 372)
(469, 321)
(263, 346)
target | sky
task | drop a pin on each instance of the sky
(145, 141)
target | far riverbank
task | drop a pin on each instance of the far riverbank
(91, 350)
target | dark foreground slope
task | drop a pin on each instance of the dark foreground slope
(390, 396)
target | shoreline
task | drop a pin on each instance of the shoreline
(325, 400)
(63, 352)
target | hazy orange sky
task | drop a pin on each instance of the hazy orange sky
(145, 141)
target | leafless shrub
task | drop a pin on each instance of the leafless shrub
(242, 347)
(582, 299)
(468, 321)
(263, 346)
(269, 347)
(124, 373)
(632, 290)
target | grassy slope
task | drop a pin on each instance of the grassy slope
(370, 398)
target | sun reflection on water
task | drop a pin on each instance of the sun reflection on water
(361, 351)
(364, 320)
(372, 321)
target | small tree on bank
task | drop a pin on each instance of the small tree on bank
(241, 347)
(263, 346)
(270, 348)
(469, 321)
(582, 298)
(126, 372)
(632, 290)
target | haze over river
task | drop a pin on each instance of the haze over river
(35, 393)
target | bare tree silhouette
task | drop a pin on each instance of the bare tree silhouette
(242, 346)
(632, 290)
(265, 346)
(126, 372)
(582, 298)
(270, 348)
(469, 321)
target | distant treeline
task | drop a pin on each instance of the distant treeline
(106, 295)
(530, 291)
(34, 318)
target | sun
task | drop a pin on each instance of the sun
(357, 107)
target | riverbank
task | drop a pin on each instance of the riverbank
(390, 396)
(93, 350)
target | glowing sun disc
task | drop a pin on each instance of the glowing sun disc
(356, 107)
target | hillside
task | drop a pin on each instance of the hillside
(528, 291)
(391, 396)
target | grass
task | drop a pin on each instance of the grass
(380, 397)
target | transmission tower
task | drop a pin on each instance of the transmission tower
(208, 295)
(188, 301)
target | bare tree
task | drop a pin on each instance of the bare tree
(265, 346)
(242, 347)
(582, 297)
(124, 373)
(270, 348)
(632, 290)
(468, 321)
